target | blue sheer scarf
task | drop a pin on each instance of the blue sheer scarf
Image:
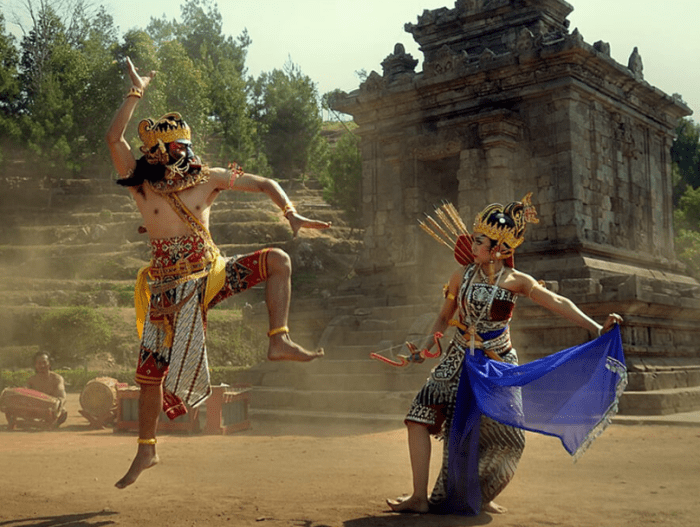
(572, 395)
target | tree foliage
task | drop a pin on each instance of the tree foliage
(286, 108)
(685, 154)
(343, 179)
(61, 84)
(9, 84)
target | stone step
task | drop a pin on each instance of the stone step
(660, 402)
(117, 202)
(372, 420)
(664, 380)
(396, 402)
(49, 218)
(406, 312)
(23, 253)
(374, 382)
(112, 233)
(366, 365)
(8, 282)
(89, 261)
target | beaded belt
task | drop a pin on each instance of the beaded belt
(183, 267)
(179, 273)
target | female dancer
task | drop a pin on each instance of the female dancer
(465, 403)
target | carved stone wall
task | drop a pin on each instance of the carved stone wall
(510, 101)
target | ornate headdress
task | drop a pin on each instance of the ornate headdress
(167, 129)
(506, 225)
(493, 222)
(181, 173)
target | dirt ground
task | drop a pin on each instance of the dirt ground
(282, 475)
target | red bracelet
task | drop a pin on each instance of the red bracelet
(236, 172)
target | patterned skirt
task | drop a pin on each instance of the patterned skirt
(173, 347)
(500, 446)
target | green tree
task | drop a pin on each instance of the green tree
(185, 88)
(37, 47)
(67, 76)
(343, 180)
(286, 107)
(9, 85)
(685, 154)
(47, 111)
(220, 60)
(97, 47)
(686, 220)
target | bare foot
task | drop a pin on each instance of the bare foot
(283, 348)
(146, 457)
(493, 508)
(409, 505)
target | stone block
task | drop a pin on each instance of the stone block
(581, 286)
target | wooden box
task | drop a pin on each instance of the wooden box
(225, 411)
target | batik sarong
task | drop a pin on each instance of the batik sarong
(173, 343)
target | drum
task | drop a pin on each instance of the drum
(25, 403)
(99, 401)
(99, 397)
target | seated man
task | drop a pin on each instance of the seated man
(49, 382)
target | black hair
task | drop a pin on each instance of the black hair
(498, 219)
(144, 171)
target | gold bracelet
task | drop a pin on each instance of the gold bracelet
(147, 441)
(135, 92)
(277, 331)
(289, 207)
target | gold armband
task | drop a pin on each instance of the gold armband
(135, 92)
(446, 292)
(289, 207)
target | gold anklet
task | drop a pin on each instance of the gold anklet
(147, 441)
(277, 331)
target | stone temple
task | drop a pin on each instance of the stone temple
(510, 101)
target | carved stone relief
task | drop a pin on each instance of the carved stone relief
(445, 62)
(374, 83)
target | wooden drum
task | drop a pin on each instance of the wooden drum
(98, 400)
(28, 404)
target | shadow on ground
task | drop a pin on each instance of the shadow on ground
(87, 519)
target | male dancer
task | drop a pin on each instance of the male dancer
(187, 274)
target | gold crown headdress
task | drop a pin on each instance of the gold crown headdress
(167, 129)
(488, 223)
(450, 231)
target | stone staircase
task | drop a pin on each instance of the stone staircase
(662, 387)
(80, 246)
(347, 386)
(77, 243)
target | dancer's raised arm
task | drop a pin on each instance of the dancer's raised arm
(119, 148)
